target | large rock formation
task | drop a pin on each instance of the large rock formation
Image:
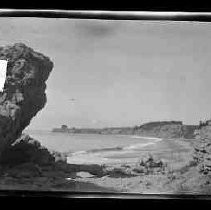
(27, 150)
(202, 148)
(166, 129)
(162, 129)
(24, 90)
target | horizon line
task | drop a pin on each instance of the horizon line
(105, 127)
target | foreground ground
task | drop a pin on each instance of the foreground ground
(176, 153)
(180, 176)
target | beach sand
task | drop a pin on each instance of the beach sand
(177, 153)
(171, 151)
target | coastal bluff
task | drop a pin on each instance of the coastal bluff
(158, 129)
(24, 90)
(166, 129)
(202, 148)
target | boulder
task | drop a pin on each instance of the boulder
(84, 175)
(24, 90)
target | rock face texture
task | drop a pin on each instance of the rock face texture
(26, 150)
(162, 129)
(166, 129)
(24, 90)
(202, 148)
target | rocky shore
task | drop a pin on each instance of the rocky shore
(165, 167)
(24, 90)
(202, 148)
(173, 165)
(28, 165)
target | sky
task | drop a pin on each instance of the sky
(118, 73)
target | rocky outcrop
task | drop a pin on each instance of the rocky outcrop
(166, 129)
(26, 157)
(150, 165)
(163, 129)
(24, 90)
(27, 150)
(188, 131)
(202, 148)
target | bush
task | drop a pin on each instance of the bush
(149, 164)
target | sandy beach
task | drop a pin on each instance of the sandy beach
(169, 150)
(118, 155)
(175, 152)
(89, 106)
(180, 176)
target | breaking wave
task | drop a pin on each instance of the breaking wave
(119, 148)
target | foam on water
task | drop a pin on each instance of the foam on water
(99, 155)
(92, 148)
(141, 145)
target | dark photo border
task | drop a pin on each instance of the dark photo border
(66, 199)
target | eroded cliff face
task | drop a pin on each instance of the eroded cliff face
(202, 148)
(24, 90)
(163, 129)
(166, 129)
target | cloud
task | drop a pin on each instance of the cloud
(96, 28)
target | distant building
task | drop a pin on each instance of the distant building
(64, 127)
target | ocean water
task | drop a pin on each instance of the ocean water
(90, 147)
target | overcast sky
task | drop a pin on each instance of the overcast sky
(119, 72)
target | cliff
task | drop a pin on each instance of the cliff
(189, 131)
(162, 129)
(166, 129)
(202, 148)
(24, 90)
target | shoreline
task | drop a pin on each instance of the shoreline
(97, 154)
(101, 156)
(92, 177)
(165, 149)
(177, 153)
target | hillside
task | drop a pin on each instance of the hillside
(202, 148)
(166, 129)
(162, 129)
